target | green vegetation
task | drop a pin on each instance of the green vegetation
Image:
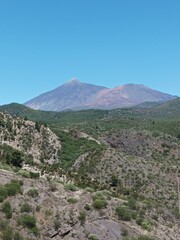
(144, 237)
(124, 213)
(82, 217)
(70, 187)
(93, 237)
(10, 189)
(99, 201)
(137, 161)
(11, 156)
(26, 207)
(73, 147)
(32, 192)
(7, 232)
(17, 236)
(29, 222)
(72, 200)
(6, 208)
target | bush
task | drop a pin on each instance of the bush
(34, 175)
(3, 224)
(144, 238)
(89, 189)
(14, 187)
(52, 187)
(124, 213)
(17, 236)
(24, 173)
(99, 203)
(132, 203)
(32, 192)
(57, 224)
(124, 231)
(7, 234)
(6, 208)
(87, 207)
(72, 200)
(146, 224)
(26, 208)
(82, 217)
(99, 200)
(93, 237)
(3, 193)
(70, 187)
(6, 231)
(28, 221)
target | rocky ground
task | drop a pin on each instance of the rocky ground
(63, 211)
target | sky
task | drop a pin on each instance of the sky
(45, 43)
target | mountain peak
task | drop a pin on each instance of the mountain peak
(73, 81)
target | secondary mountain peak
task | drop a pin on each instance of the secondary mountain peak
(75, 95)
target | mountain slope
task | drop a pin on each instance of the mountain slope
(68, 96)
(75, 95)
(127, 95)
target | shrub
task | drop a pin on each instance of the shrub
(144, 238)
(16, 158)
(6, 208)
(34, 175)
(124, 213)
(146, 224)
(3, 193)
(132, 203)
(17, 236)
(99, 200)
(82, 217)
(48, 213)
(124, 231)
(52, 187)
(89, 189)
(26, 208)
(24, 173)
(70, 187)
(87, 207)
(6, 231)
(93, 237)
(72, 200)
(13, 188)
(57, 224)
(38, 208)
(28, 221)
(99, 203)
(7, 234)
(32, 192)
(114, 181)
(3, 224)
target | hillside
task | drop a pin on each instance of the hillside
(100, 174)
(75, 95)
(27, 141)
(41, 209)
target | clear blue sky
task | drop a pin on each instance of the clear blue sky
(44, 43)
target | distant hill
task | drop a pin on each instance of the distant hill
(75, 95)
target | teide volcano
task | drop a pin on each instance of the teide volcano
(75, 95)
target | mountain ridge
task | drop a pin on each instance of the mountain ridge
(76, 95)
